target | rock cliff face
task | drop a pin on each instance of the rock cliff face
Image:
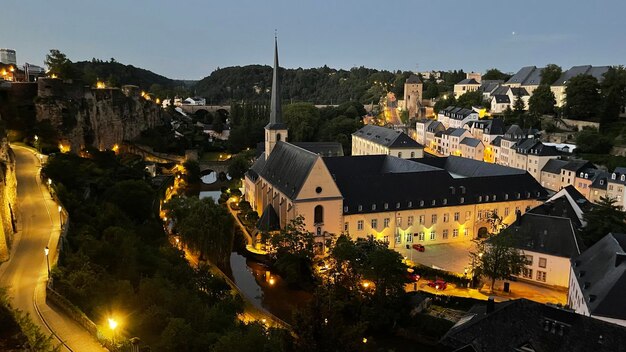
(99, 118)
(8, 197)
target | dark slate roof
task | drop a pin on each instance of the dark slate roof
(521, 75)
(489, 86)
(472, 142)
(534, 78)
(502, 90)
(601, 180)
(386, 137)
(582, 202)
(502, 99)
(496, 127)
(257, 167)
(469, 81)
(497, 141)
(547, 234)
(554, 166)
(544, 328)
(322, 148)
(380, 179)
(435, 126)
(595, 71)
(519, 91)
(288, 167)
(413, 79)
(269, 220)
(576, 165)
(602, 270)
(456, 132)
(533, 146)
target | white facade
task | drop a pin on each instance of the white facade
(546, 269)
(8, 56)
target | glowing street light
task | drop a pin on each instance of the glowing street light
(112, 325)
(46, 251)
(272, 281)
(60, 215)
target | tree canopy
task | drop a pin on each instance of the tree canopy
(582, 97)
(496, 258)
(542, 101)
(603, 218)
(495, 74)
(550, 74)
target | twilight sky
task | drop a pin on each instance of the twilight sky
(187, 39)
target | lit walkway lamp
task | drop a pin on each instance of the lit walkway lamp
(46, 251)
(112, 325)
(60, 216)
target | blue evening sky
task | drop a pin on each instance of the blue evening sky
(188, 39)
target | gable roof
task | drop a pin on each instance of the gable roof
(601, 275)
(269, 220)
(413, 79)
(472, 142)
(501, 99)
(288, 167)
(553, 235)
(469, 81)
(386, 137)
(546, 328)
(496, 141)
(379, 179)
(521, 75)
(595, 71)
(519, 91)
(554, 166)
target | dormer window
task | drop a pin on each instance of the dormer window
(360, 207)
(622, 178)
(445, 201)
(613, 176)
(421, 203)
(410, 204)
(581, 174)
(586, 175)
(506, 196)
(373, 206)
(386, 206)
(480, 198)
(462, 200)
(434, 202)
(601, 182)
(398, 205)
(486, 198)
(345, 209)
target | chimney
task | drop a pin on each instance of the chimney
(490, 305)
(619, 259)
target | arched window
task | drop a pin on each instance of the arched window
(278, 137)
(318, 217)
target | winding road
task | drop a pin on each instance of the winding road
(25, 273)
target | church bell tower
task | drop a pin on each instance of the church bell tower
(276, 129)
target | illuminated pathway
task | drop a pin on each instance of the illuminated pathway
(25, 273)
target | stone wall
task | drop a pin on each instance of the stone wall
(101, 118)
(8, 197)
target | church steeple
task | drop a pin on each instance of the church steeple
(276, 111)
(276, 129)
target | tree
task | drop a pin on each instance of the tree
(591, 141)
(239, 165)
(613, 92)
(550, 74)
(59, 65)
(203, 226)
(303, 121)
(192, 169)
(134, 198)
(603, 218)
(582, 97)
(431, 91)
(542, 101)
(495, 74)
(443, 103)
(292, 249)
(518, 105)
(496, 258)
(469, 99)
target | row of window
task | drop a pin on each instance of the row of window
(528, 274)
(411, 220)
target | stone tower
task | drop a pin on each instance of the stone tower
(276, 129)
(413, 95)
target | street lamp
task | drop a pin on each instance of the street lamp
(46, 251)
(60, 215)
(113, 325)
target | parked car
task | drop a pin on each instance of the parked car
(439, 285)
(419, 247)
(413, 277)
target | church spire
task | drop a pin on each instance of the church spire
(276, 111)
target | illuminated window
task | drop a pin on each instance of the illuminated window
(421, 236)
(444, 234)
(374, 223)
(386, 222)
(433, 219)
(455, 233)
(465, 232)
(359, 225)
(409, 238)
(433, 235)
(399, 221)
(410, 220)
(422, 219)
(456, 216)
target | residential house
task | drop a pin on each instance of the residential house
(432, 130)
(585, 179)
(617, 185)
(570, 170)
(548, 235)
(487, 87)
(456, 117)
(598, 187)
(374, 140)
(466, 85)
(472, 148)
(448, 141)
(532, 155)
(558, 87)
(421, 126)
(513, 135)
(598, 281)
(551, 174)
(195, 101)
(499, 103)
(492, 150)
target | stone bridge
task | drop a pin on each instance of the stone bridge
(192, 109)
(217, 166)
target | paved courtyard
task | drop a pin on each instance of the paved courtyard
(452, 257)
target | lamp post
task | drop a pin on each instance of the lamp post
(60, 216)
(46, 251)
(112, 325)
